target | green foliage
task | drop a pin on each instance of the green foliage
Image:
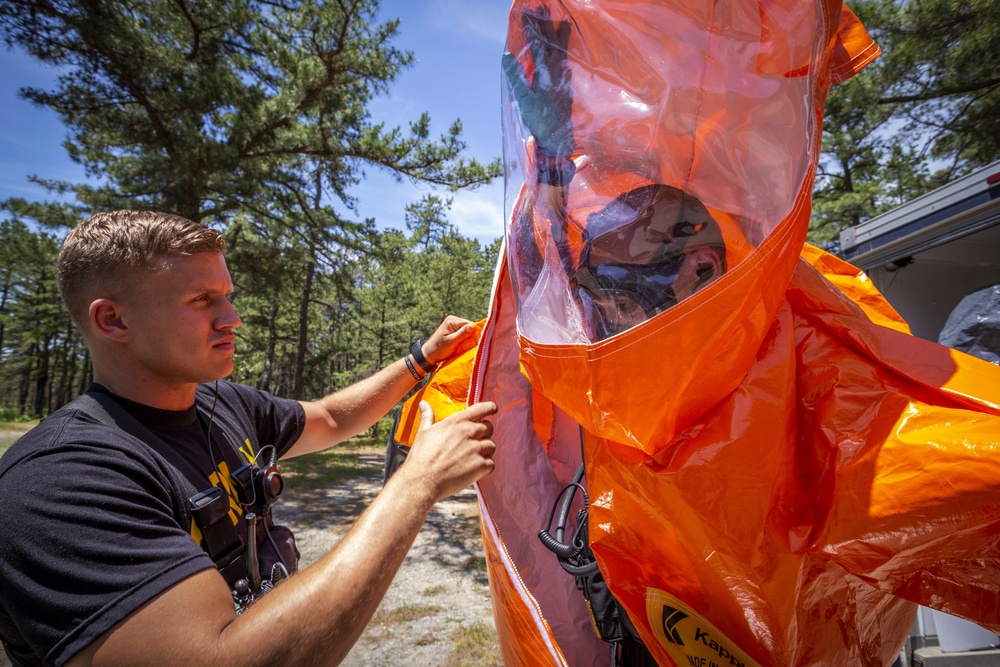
(399, 290)
(41, 354)
(367, 303)
(925, 112)
(252, 116)
(452, 274)
(10, 420)
(940, 77)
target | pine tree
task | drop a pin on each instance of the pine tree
(211, 107)
(925, 112)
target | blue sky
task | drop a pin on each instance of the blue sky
(457, 44)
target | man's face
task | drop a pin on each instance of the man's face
(647, 251)
(180, 320)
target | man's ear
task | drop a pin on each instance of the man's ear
(106, 320)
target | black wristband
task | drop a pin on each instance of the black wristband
(555, 170)
(413, 371)
(416, 350)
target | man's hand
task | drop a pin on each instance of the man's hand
(449, 455)
(453, 336)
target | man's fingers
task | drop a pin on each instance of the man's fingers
(426, 415)
(453, 323)
(453, 336)
(489, 447)
(459, 332)
(477, 412)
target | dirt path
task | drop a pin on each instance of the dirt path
(438, 610)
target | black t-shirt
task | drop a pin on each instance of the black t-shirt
(95, 523)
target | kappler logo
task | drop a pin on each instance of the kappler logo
(672, 617)
(703, 644)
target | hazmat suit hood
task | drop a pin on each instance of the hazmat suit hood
(720, 102)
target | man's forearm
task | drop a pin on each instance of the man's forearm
(317, 615)
(313, 618)
(350, 411)
(354, 409)
(357, 407)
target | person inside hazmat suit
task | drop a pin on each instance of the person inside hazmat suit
(650, 247)
(776, 472)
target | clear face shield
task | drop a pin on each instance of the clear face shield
(646, 155)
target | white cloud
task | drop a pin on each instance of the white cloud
(479, 214)
(476, 214)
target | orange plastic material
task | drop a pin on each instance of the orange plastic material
(446, 392)
(723, 102)
(778, 472)
(852, 473)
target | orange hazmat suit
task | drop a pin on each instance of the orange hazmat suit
(777, 471)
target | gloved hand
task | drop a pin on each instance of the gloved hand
(546, 103)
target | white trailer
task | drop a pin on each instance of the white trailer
(929, 253)
(925, 257)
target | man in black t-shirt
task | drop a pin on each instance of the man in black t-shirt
(97, 563)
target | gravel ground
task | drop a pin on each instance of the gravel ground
(440, 589)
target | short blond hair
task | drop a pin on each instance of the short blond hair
(101, 257)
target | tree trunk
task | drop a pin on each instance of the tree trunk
(380, 360)
(87, 373)
(272, 343)
(25, 385)
(41, 379)
(57, 397)
(300, 357)
(3, 306)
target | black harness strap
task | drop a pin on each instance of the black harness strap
(209, 508)
(609, 618)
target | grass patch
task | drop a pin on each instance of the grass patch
(475, 564)
(434, 590)
(323, 469)
(476, 645)
(405, 614)
(426, 640)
